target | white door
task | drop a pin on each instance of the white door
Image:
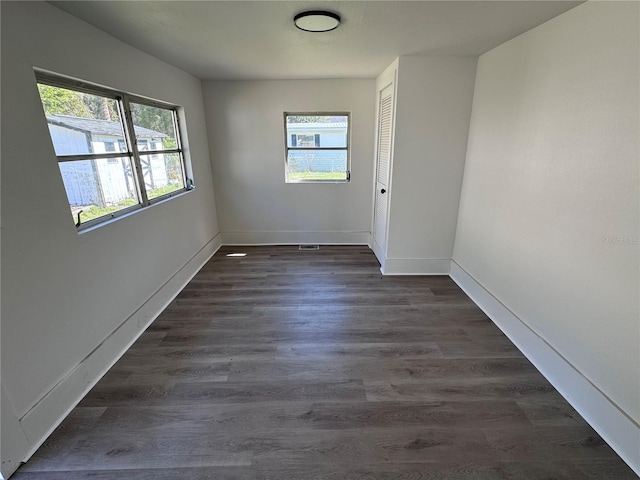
(381, 202)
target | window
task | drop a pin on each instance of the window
(317, 147)
(300, 140)
(116, 152)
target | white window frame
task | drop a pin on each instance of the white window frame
(123, 101)
(346, 149)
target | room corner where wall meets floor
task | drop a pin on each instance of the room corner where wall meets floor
(291, 364)
(551, 181)
(514, 173)
(71, 303)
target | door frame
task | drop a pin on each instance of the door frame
(384, 80)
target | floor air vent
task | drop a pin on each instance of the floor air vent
(308, 247)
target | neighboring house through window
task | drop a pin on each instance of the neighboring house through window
(116, 152)
(301, 140)
(317, 147)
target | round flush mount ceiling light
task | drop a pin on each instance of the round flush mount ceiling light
(317, 21)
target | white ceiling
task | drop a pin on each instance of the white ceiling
(257, 39)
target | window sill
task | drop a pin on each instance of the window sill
(316, 182)
(81, 230)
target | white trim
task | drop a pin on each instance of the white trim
(378, 252)
(13, 450)
(295, 238)
(388, 77)
(43, 418)
(618, 430)
(607, 418)
(416, 266)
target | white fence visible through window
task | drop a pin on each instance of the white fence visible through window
(317, 147)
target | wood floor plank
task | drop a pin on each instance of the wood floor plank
(175, 393)
(378, 370)
(508, 387)
(287, 364)
(169, 473)
(418, 471)
(364, 415)
(547, 411)
(349, 447)
(205, 336)
(204, 353)
(475, 349)
(579, 442)
(216, 424)
(358, 351)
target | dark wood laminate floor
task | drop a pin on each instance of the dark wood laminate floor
(289, 364)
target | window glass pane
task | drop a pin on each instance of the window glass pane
(317, 131)
(154, 126)
(81, 123)
(304, 165)
(305, 140)
(86, 124)
(99, 187)
(162, 173)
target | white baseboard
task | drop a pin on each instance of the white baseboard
(40, 421)
(609, 420)
(415, 266)
(13, 449)
(620, 431)
(295, 238)
(378, 251)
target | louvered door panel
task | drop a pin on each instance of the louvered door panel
(385, 131)
(384, 135)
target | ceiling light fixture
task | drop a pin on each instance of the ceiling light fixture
(317, 21)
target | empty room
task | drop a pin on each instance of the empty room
(320, 240)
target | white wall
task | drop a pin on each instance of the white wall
(71, 303)
(246, 133)
(433, 109)
(548, 221)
